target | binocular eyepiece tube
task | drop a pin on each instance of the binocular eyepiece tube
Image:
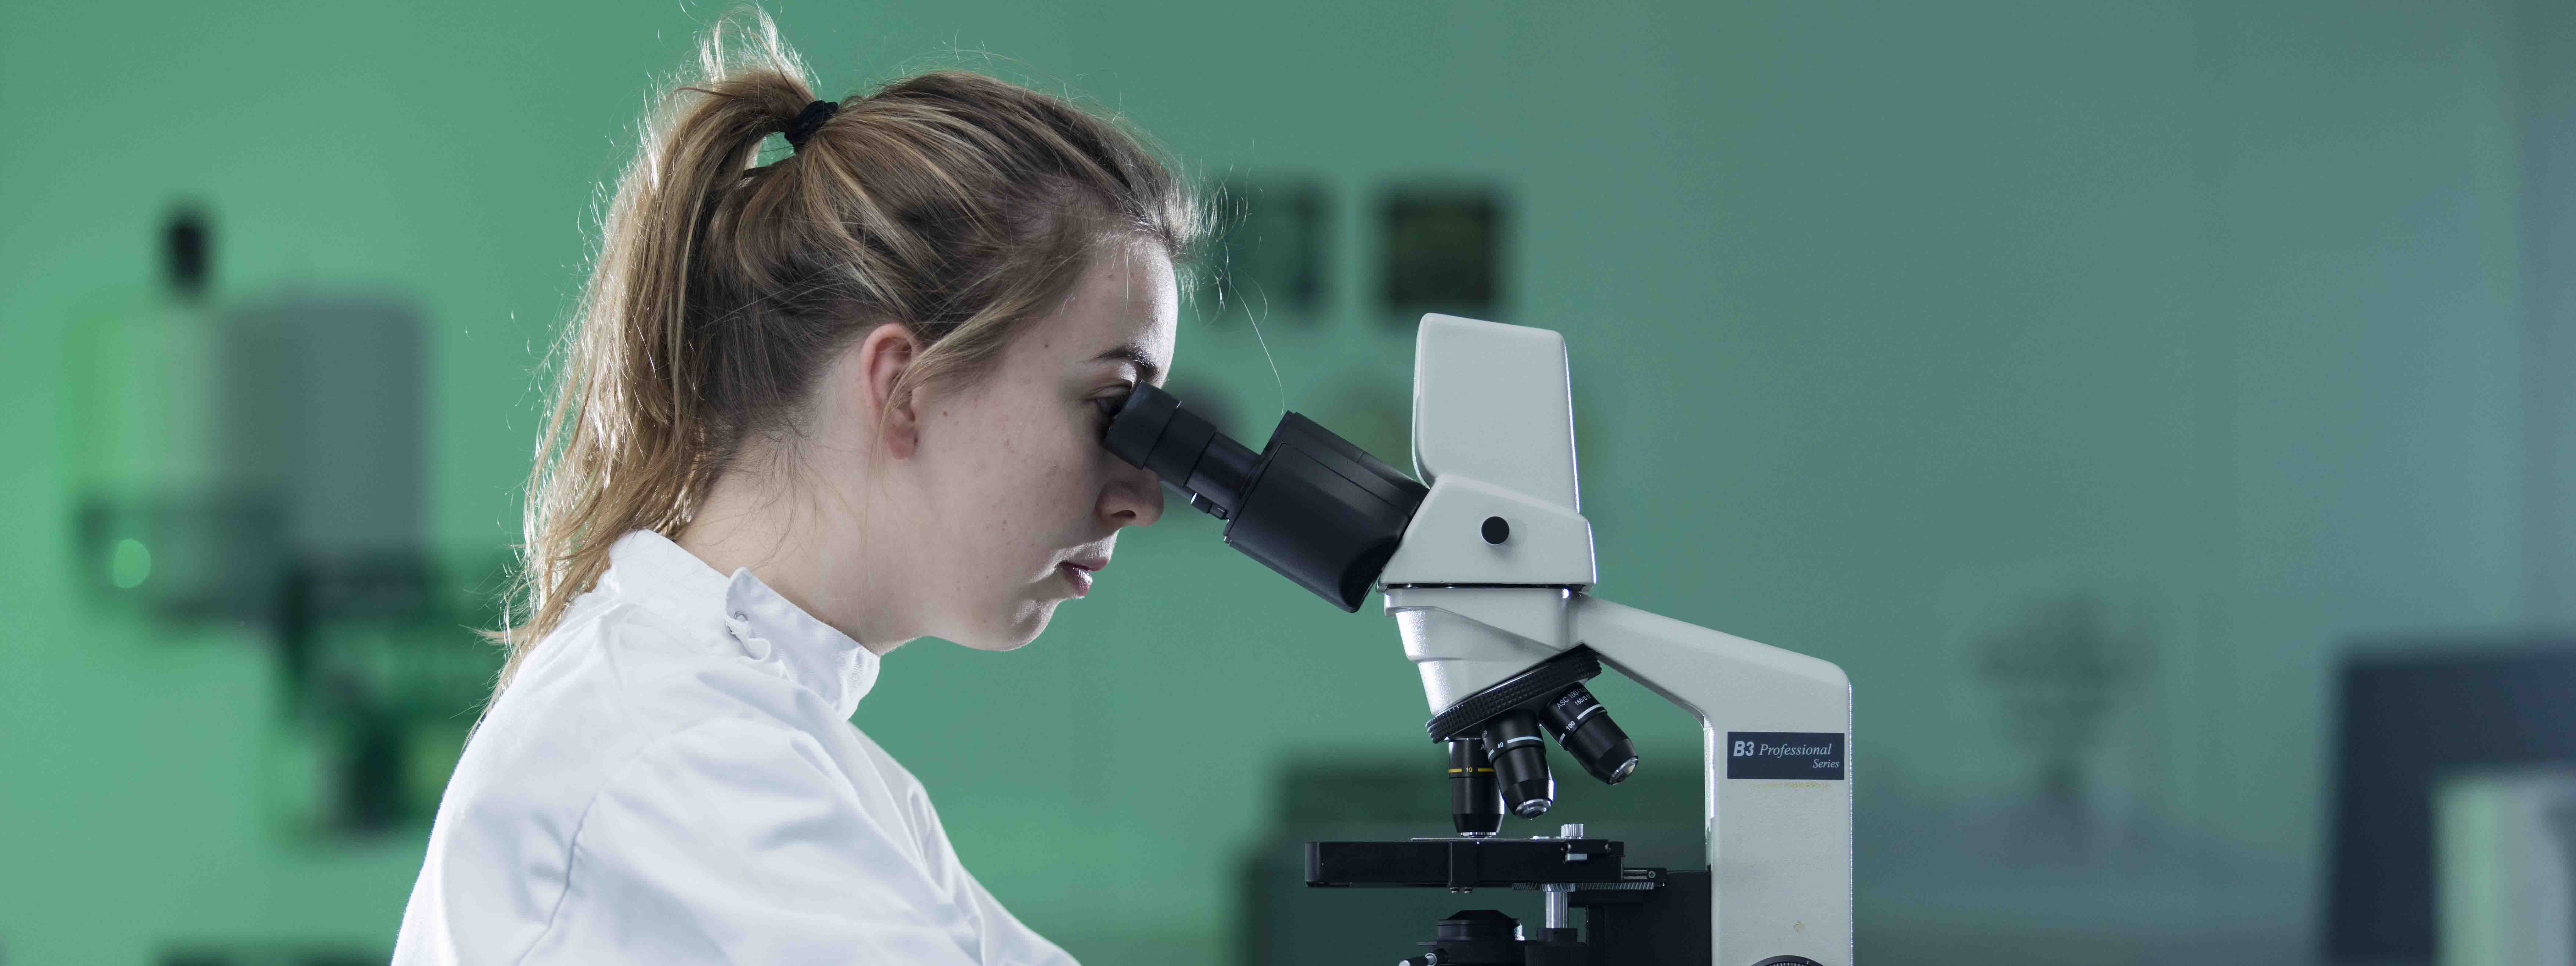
(1310, 505)
(1328, 515)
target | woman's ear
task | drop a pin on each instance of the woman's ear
(885, 354)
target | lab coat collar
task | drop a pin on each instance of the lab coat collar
(768, 629)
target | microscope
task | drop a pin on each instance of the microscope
(1486, 565)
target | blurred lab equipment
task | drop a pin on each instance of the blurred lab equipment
(260, 464)
(224, 454)
(1441, 247)
(1274, 232)
(1487, 571)
(174, 511)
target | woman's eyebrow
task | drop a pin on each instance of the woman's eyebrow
(1135, 354)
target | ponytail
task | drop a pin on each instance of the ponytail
(959, 206)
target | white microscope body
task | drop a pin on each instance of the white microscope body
(1487, 570)
(1493, 436)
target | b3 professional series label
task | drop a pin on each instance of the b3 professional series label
(1784, 754)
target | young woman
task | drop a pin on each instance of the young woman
(809, 411)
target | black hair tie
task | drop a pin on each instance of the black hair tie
(809, 120)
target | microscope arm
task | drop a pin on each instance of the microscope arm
(1779, 848)
(1775, 728)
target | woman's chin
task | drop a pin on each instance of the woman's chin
(1016, 630)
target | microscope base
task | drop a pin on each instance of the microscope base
(1664, 924)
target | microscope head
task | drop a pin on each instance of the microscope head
(1493, 436)
(1495, 403)
(1497, 527)
(1493, 421)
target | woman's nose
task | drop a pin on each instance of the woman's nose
(1134, 497)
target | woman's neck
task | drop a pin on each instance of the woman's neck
(773, 528)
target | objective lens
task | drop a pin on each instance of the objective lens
(1475, 804)
(1519, 755)
(1584, 727)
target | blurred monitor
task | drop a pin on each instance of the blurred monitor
(2504, 887)
(2408, 719)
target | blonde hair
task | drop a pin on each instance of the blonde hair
(959, 206)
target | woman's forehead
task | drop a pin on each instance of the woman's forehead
(1125, 308)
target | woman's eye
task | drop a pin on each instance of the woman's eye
(1109, 405)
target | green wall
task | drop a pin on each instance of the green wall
(1873, 308)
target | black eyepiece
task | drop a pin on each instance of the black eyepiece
(1313, 507)
(1152, 431)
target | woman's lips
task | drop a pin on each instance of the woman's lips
(1076, 576)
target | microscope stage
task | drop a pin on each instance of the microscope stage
(1464, 863)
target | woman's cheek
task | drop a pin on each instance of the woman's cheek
(1068, 469)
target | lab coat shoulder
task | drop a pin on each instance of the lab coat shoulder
(920, 821)
(640, 673)
(741, 841)
(613, 681)
(500, 846)
(609, 682)
(626, 676)
(646, 793)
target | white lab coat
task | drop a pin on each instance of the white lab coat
(673, 778)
